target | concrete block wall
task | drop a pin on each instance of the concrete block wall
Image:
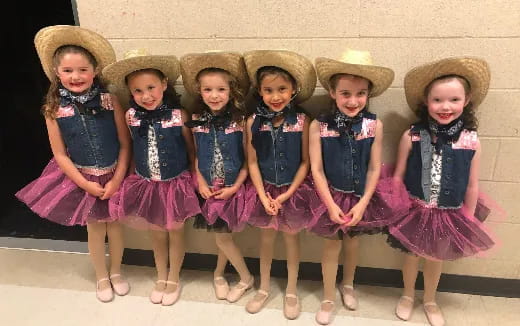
(400, 34)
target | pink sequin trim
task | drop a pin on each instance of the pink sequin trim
(130, 118)
(203, 129)
(65, 111)
(175, 121)
(106, 101)
(234, 127)
(467, 140)
(416, 137)
(325, 132)
(298, 126)
(98, 172)
(368, 129)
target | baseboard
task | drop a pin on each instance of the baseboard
(489, 286)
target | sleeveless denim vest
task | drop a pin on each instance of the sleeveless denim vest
(346, 158)
(279, 154)
(91, 139)
(171, 147)
(229, 140)
(456, 163)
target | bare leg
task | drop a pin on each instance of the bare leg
(116, 246)
(410, 269)
(176, 250)
(329, 270)
(228, 247)
(160, 254)
(292, 247)
(96, 248)
(351, 249)
(432, 274)
(221, 264)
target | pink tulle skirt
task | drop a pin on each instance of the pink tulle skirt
(295, 214)
(150, 204)
(57, 198)
(440, 234)
(385, 208)
(234, 211)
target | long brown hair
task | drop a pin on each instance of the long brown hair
(169, 94)
(236, 96)
(52, 99)
(468, 113)
(333, 83)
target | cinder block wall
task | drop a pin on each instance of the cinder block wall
(400, 34)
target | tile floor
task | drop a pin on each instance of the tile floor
(46, 287)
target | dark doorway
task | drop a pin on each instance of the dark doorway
(24, 146)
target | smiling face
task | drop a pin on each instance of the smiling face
(350, 93)
(147, 89)
(446, 100)
(214, 90)
(75, 72)
(276, 91)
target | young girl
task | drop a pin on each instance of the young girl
(345, 145)
(438, 159)
(219, 80)
(90, 144)
(278, 161)
(160, 195)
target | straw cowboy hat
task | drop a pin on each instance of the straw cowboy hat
(359, 63)
(49, 39)
(474, 70)
(232, 62)
(135, 60)
(300, 68)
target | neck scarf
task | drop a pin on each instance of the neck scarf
(263, 114)
(149, 117)
(88, 103)
(445, 134)
(342, 122)
(208, 119)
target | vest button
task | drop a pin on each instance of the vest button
(282, 154)
(161, 137)
(164, 164)
(355, 166)
(356, 181)
(163, 151)
(447, 192)
(353, 150)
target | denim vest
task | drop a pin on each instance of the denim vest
(346, 158)
(91, 139)
(171, 147)
(229, 140)
(456, 163)
(279, 155)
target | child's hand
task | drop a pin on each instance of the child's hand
(269, 205)
(205, 192)
(110, 188)
(281, 199)
(356, 213)
(337, 215)
(225, 193)
(94, 189)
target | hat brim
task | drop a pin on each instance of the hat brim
(474, 70)
(49, 39)
(300, 68)
(380, 77)
(116, 72)
(192, 64)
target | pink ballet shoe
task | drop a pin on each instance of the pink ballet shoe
(221, 290)
(105, 295)
(257, 303)
(404, 308)
(324, 317)
(156, 296)
(121, 287)
(238, 290)
(169, 299)
(291, 312)
(434, 314)
(349, 299)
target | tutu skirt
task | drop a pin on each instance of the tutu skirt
(229, 215)
(295, 214)
(439, 234)
(57, 198)
(385, 208)
(155, 204)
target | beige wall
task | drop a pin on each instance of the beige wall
(399, 33)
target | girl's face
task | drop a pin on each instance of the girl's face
(446, 100)
(276, 92)
(350, 94)
(75, 72)
(214, 89)
(147, 89)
